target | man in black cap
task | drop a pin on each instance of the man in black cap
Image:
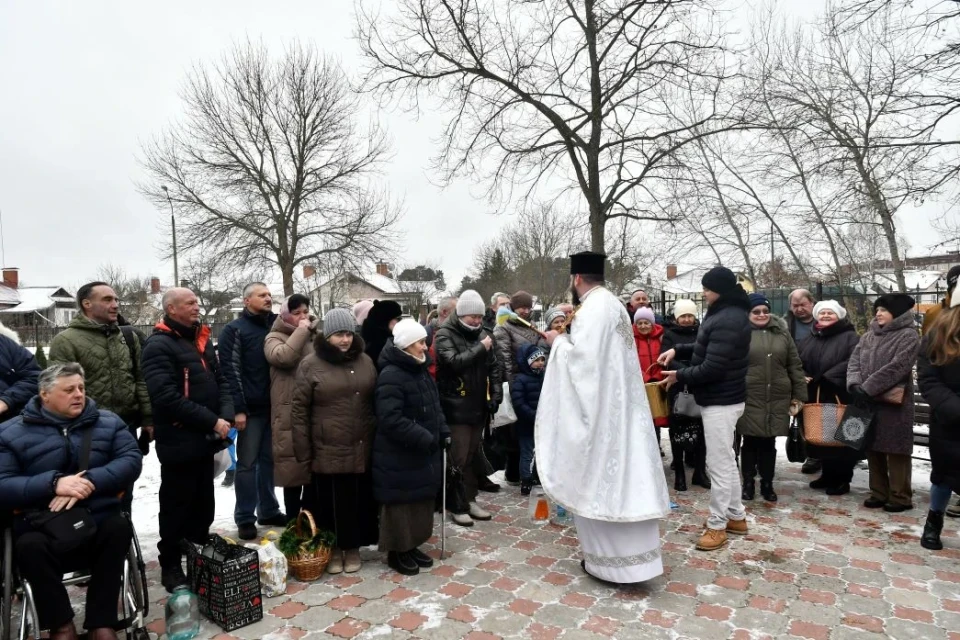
(717, 377)
(597, 450)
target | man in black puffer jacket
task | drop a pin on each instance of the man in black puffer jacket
(471, 389)
(191, 409)
(717, 377)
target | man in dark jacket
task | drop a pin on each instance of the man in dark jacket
(800, 321)
(110, 356)
(247, 375)
(41, 452)
(192, 408)
(717, 377)
(18, 375)
(470, 390)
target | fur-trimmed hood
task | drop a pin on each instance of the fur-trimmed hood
(10, 333)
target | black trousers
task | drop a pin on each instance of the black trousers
(186, 507)
(103, 557)
(292, 500)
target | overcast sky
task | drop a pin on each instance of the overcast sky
(81, 83)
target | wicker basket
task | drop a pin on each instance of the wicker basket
(307, 567)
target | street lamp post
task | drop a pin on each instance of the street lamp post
(173, 231)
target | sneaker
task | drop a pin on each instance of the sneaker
(478, 513)
(423, 560)
(173, 577)
(897, 508)
(336, 562)
(228, 478)
(279, 520)
(402, 563)
(462, 519)
(737, 527)
(839, 490)
(488, 485)
(874, 503)
(811, 465)
(351, 561)
(953, 511)
(247, 531)
(712, 539)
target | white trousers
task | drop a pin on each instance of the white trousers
(719, 428)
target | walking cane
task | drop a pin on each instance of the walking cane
(443, 509)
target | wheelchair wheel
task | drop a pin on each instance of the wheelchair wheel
(6, 606)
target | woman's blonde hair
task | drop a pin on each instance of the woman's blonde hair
(943, 346)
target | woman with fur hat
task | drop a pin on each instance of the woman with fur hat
(938, 373)
(333, 424)
(776, 389)
(407, 463)
(686, 433)
(378, 325)
(881, 373)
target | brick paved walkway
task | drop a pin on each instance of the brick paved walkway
(813, 567)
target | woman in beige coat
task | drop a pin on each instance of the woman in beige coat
(290, 340)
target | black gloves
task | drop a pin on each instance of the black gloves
(493, 406)
(859, 395)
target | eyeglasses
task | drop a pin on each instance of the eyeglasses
(760, 312)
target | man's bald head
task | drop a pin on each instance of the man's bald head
(181, 305)
(801, 305)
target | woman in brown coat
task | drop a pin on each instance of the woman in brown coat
(333, 425)
(883, 363)
(289, 341)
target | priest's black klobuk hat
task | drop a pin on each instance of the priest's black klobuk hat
(587, 262)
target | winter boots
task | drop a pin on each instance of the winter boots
(752, 461)
(931, 531)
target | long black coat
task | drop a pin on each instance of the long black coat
(720, 357)
(407, 463)
(467, 374)
(187, 391)
(940, 387)
(825, 354)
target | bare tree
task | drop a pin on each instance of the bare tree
(847, 97)
(269, 168)
(556, 92)
(216, 283)
(137, 305)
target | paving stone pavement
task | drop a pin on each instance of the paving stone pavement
(813, 566)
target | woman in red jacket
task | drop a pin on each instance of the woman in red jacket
(648, 336)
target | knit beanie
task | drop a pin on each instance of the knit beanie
(408, 331)
(470, 304)
(554, 313)
(720, 280)
(896, 303)
(361, 309)
(684, 307)
(338, 320)
(521, 300)
(644, 313)
(832, 305)
(758, 300)
(535, 355)
(952, 276)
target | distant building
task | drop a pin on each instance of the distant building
(416, 298)
(687, 284)
(35, 305)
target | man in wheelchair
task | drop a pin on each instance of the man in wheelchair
(63, 467)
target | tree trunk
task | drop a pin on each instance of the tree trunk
(887, 223)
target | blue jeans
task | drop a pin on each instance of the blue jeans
(256, 497)
(526, 457)
(233, 449)
(940, 497)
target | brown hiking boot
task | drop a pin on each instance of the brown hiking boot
(737, 527)
(712, 539)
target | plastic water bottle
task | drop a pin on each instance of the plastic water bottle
(182, 614)
(561, 517)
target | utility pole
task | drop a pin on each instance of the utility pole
(173, 232)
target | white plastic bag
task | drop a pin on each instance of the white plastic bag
(221, 462)
(273, 569)
(505, 414)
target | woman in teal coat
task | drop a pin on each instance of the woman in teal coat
(775, 387)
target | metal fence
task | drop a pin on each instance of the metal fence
(32, 335)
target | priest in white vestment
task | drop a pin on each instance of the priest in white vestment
(596, 447)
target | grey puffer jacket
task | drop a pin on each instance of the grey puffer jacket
(510, 337)
(775, 377)
(884, 358)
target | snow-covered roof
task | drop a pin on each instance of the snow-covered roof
(398, 288)
(689, 282)
(916, 280)
(38, 299)
(8, 295)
